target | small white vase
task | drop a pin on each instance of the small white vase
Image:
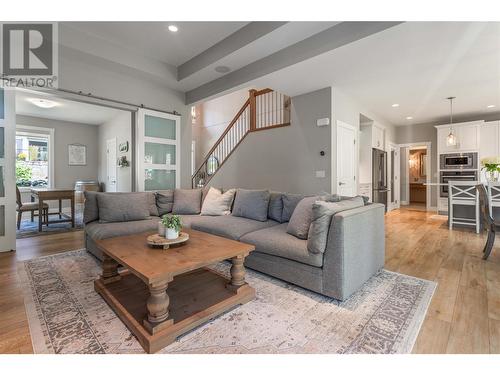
(171, 234)
(161, 229)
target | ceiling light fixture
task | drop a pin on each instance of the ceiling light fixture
(43, 103)
(409, 118)
(395, 105)
(222, 69)
(490, 106)
(173, 28)
(451, 139)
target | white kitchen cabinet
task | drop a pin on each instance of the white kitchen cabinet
(378, 137)
(468, 138)
(489, 144)
(467, 135)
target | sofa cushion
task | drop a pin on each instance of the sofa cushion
(276, 241)
(217, 203)
(90, 209)
(187, 202)
(290, 201)
(251, 204)
(164, 201)
(275, 211)
(118, 207)
(100, 231)
(322, 216)
(229, 226)
(301, 219)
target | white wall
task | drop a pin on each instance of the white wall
(348, 110)
(120, 127)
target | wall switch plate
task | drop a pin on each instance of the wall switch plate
(320, 174)
(323, 121)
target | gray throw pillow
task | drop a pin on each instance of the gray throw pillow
(90, 209)
(290, 201)
(301, 219)
(153, 210)
(252, 204)
(275, 211)
(322, 217)
(118, 207)
(164, 201)
(187, 202)
(216, 203)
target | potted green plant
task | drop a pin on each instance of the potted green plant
(492, 167)
(173, 225)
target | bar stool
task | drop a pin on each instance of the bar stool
(493, 190)
(463, 193)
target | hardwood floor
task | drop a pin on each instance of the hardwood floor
(464, 315)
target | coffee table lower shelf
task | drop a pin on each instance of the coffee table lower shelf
(195, 297)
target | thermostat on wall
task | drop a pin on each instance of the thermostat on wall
(323, 121)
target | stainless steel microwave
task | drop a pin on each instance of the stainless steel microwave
(466, 160)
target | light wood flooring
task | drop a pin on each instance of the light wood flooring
(464, 316)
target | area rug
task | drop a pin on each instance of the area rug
(66, 315)
(30, 228)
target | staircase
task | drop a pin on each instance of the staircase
(263, 110)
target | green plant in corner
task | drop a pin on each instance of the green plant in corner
(172, 222)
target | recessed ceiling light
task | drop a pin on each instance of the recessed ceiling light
(222, 69)
(43, 103)
(395, 105)
(409, 118)
(173, 28)
(490, 106)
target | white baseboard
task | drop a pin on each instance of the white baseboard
(404, 203)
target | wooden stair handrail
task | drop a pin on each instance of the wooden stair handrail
(252, 127)
(228, 128)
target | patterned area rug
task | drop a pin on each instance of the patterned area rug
(30, 228)
(66, 315)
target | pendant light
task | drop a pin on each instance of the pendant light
(451, 139)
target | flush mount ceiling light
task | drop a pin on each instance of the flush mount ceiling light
(451, 139)
(490, 106)
(222, 69)
(173, 28)
(43, 103)
(409, 118)
(395, 105)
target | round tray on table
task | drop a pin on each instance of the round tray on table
(155, 240)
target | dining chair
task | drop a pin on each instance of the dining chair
(490, 224)
(463, 193)
(29, 207)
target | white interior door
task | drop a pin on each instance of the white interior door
(346, 159)
(111, 178)
(394, 179)
(7, 170)
(158, 150)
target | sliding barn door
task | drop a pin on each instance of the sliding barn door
(158, 150)
(7, 170)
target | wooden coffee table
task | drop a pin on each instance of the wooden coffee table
(162, 294)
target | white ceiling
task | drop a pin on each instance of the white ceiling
(153, 39)
(66, 110)
(415, 64)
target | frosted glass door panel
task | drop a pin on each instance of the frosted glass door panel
(159, 179)
(158, 153)
(158, 127)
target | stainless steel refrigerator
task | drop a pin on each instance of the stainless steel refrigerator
(379, 177)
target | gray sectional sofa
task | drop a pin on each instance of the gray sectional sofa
(354, 251)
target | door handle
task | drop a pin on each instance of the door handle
(341, 183)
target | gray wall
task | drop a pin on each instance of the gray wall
(285, 159)
(121, 128)
(91, 74)
(66, 133)
(421, 133)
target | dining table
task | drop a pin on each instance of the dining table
(54, 194)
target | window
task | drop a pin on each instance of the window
(32, 159)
